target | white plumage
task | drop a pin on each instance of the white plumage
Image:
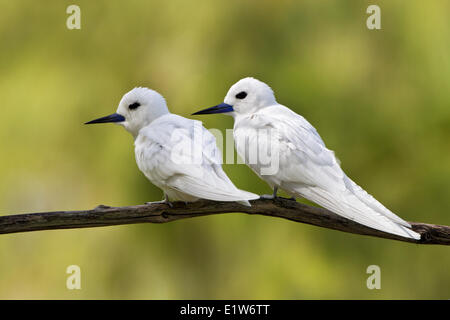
(305, 167)
(176, 154)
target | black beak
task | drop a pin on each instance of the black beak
(115, 117)
(220, 108)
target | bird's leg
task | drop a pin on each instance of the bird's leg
(270, 196)
(163, 201)
(275, 191)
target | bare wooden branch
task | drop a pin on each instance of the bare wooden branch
(161, 213)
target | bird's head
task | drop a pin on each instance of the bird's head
(246, 96)
(137, 109)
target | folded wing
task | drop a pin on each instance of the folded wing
(310, 170)
(180, 154)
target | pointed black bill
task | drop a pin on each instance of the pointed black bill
(220, 108)
(115, 117)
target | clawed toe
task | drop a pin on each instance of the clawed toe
(267, 197)
(161, 202)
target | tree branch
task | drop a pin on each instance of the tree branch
(161, 213)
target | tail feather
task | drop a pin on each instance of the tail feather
(198, 188)
(371, 202)
(350, 206)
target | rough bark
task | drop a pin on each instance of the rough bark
(162, 213)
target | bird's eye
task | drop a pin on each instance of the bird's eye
(241, 95)
(134, 105)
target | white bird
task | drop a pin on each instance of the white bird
(176, 154)
(304, 167)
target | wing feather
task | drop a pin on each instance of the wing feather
(180, 154)
(310, 170)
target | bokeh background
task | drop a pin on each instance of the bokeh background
(379, 98)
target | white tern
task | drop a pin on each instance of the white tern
(305, 167)
(166, 150)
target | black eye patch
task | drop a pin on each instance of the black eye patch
(134, 105)
(241, 95)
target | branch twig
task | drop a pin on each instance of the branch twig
(161, 213)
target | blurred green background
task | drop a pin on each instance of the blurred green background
(379, 98)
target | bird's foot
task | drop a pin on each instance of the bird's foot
(164, 201)
(274, 197)
(101, 206)
(268, 197)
